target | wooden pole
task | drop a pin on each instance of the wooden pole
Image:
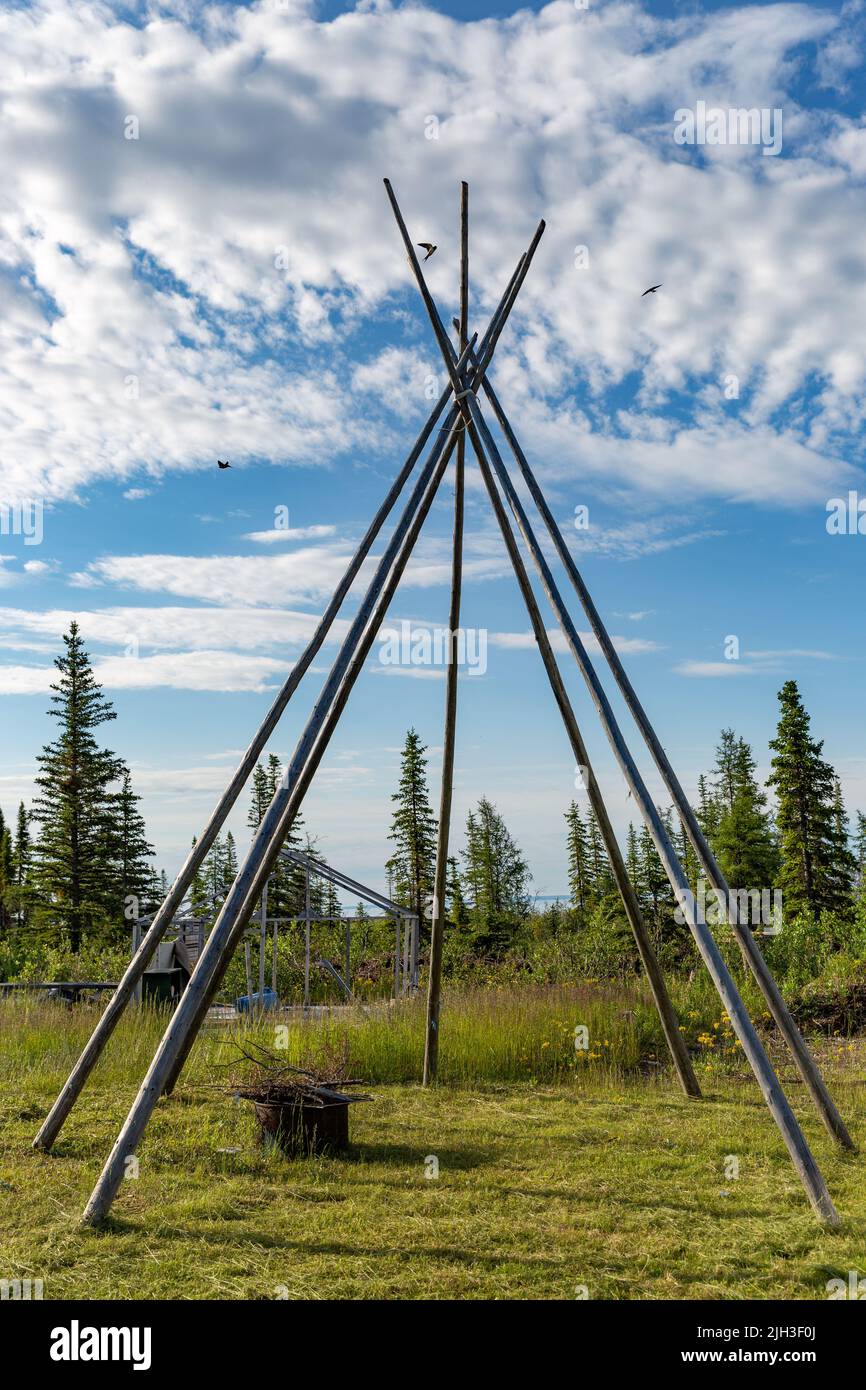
(249, 973)
(446, 433)
(805, 1063)
(263, 946)
(136, 942)
(670, 1024)
(437, 929)
(110, 1017)
(274, 958)
(214, 961)
(753, 1049)
(277, 821)
(307, 942)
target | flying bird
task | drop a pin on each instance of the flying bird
(652, 289)
(426, 246)
(220, 464)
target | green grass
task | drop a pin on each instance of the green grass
(554, 1173)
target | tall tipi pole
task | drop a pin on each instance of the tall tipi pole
(434, 988)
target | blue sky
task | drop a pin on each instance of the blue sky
(230, 284)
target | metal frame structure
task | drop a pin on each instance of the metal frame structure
(406, 923)
(466, 367)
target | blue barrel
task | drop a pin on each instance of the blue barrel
(268, 1000)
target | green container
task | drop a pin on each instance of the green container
(161, 986)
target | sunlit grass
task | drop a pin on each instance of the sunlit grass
(556, 1169)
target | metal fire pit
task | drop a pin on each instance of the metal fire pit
(299, 1127)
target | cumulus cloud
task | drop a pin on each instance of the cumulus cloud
(202, 670)
(195, 289)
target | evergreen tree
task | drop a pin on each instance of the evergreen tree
(686, 855)
(816, 862)
(455, 901)
(75, 807)
(287, 882)
(130, 850)
(601, 875)
(7, 876)
(497, 877)
(652, 878)
(229, 865)
(844, 870)
(743, 839)
(860, 858)
(708, 811)
(214, 875)
(633, 865)
(413, 830)
(21, 866)
(199, 904)
(579, 870)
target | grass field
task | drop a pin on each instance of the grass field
(556, 1175)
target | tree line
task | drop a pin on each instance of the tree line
(77, 865)
(801, 847)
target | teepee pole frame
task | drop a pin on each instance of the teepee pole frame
(803, 1058)
(438, 916)
(450, 431)
(125, 991)
(277, 821)
(795, 1141)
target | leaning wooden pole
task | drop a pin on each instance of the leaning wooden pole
(795, 1141)
(670, 1024)
(289, 795)
(801, 1155)
(109, 1019)
(242, 895)
(788, 1029)
(489, 344)
(437, 930)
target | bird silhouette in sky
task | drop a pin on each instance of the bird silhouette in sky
(652, 289)
(428, 247)
(220, 464)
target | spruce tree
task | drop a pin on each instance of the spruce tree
(860, 858)
(743, 840)
(844, 871)
(213, 872)
(633, 865)
(456, 903)
(413, 830)
(129, 849)
(708, 811)
(229, 864)
(7, 876)
(21, 866)
(199, 904)
(75, 808)
(814, 860)
(601, 875)
(497, 877)
(579, 873)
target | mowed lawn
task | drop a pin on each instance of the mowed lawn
(597, 1186)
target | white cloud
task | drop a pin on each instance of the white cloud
(171, 628)
(752, 663)
(291, 533)
(525, 641)
(202, 670)
(188, 293)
